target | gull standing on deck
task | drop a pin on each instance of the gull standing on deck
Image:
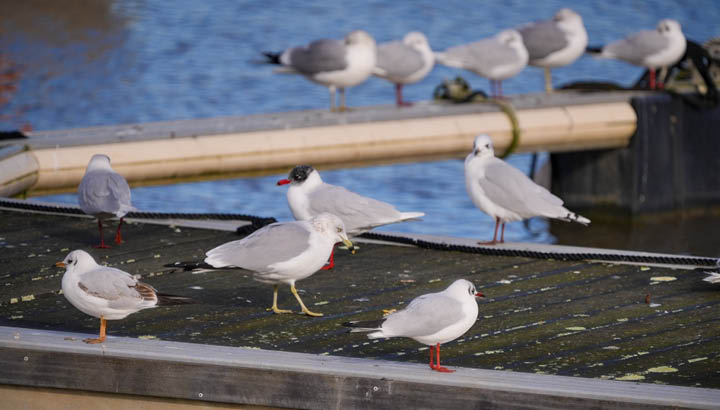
(283, 252)
(104, 193)
(496, 58)
(330, 62)
(653, 49)
(505, 193)
(108, 293)
(404, 62)
(309, 196)
(555, 43)
(431, 319)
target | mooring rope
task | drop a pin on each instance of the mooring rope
(257, 222)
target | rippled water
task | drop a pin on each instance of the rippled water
(147, 60)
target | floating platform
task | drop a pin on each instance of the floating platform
(552, 333)
(151, 153)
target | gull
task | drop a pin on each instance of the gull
(103, 193)
(431, 319)
(330, 62)
(555, 43)
(107, 293)
(496, 58)
(283, 252)
(505, 193)
(659, 48)
(309, 196)
(404, 62)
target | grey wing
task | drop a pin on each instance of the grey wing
(398, 59)
(104, 192)
(113, 285)
(542, 39)
(425, 315)
(483, 54)
(274, 243)
(358, 213)
(509, 188)
(319, 56)
(638, 46)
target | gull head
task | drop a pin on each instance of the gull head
(461, 289)
(566, 15)
(99, 161)
(416, 39)
(298, 175)
(332, 226)
(359, 37)
(511, 38)
(483, 146)
(77, 260)
(669, 27)
(569, 21)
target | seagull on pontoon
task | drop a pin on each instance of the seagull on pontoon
(404, 62)
(497, 58)
(431, 319)
(283, 252)
(505, 193)
(103, 193)
(309, 196)
(108, 293)
(652, 49)
(555, 43)
(330, 62)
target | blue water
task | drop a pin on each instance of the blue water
(152, 60)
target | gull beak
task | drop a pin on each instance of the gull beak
(479, 295)
(349, 245)
(60, 264)
(283, 182)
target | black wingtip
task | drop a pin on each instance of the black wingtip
(272, 57)
(166, 300)
(187, 266)
(593, 49)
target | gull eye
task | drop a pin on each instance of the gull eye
(487, 145)
(339, 229)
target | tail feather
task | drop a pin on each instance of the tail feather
(272, 57)
(364, 325)
(408, 216)
(166, 300)
(573, 217)
(188, 266)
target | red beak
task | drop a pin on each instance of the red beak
(283, 182)
(479, 295)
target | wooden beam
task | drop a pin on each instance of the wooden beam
(144, 153)
(39, 358)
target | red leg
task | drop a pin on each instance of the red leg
(102, 243)
(398, 96)
(437, 362)
(118, 235)
(432, 354)
(502, 233)
(652, 78)
(331, 262)
(494, 239)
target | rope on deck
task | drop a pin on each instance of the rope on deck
(490, 251)
(257, 222)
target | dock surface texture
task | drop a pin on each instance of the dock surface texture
(651, 325)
